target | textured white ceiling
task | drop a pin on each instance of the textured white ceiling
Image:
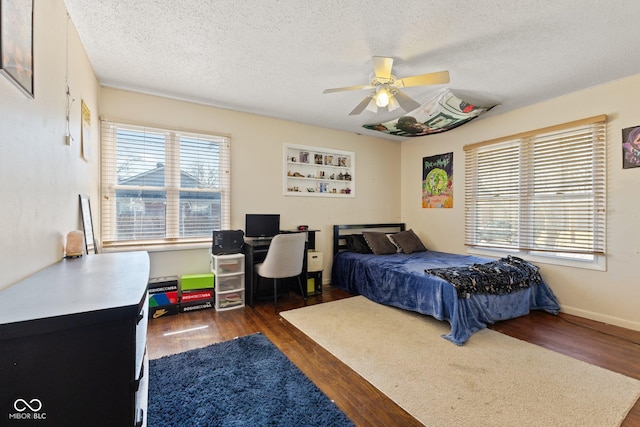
(275, 58)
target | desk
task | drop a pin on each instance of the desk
(254, 253)
(256, 250)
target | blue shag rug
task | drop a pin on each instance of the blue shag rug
(246, 381)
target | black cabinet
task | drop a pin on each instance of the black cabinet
(73, 343)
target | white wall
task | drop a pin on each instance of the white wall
(257, 157)
(42, 176)
(611, 296)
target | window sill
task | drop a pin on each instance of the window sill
(158, 248)
(599, 263)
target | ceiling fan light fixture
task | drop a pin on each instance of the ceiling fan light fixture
(382, 97)
(393, 104)
(386, 88)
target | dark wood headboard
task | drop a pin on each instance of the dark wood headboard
(340, 231)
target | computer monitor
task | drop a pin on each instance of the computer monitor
(262, 225)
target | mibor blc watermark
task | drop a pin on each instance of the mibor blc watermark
(28, 410)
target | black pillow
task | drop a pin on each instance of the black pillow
(408, 242)
(379, 243)
(356, 243)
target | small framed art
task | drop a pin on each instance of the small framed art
(16, 43)
(631, 147)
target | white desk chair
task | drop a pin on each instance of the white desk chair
(284, 259)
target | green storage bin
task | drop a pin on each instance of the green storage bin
(197, 281)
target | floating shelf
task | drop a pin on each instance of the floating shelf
(318, 172)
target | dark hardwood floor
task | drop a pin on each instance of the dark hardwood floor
(608, 346)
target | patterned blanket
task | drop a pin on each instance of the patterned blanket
(504, 276)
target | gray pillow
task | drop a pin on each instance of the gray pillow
(356, 243)
(408, 242)
(379, 243)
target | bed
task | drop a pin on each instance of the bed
(413, 281)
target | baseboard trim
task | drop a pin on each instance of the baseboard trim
(612, 320)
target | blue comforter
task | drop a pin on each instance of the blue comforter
(400, 280)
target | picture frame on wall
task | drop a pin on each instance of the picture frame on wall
(631, 147)
(16, 43)
(437, 181)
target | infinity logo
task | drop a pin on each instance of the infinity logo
(21, 405)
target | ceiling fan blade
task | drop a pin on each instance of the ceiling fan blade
(382, 67)
(360, 108)
(341, 89)
(405, 101)
(438, 78)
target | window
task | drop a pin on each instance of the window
(162, 186)
(540, 193)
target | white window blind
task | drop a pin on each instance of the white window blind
(541, 191)
(162, 186)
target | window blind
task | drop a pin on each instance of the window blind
(162, 186)
(543, 190)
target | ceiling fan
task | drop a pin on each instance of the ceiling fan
(386, 87)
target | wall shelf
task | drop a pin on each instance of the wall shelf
(318, 172)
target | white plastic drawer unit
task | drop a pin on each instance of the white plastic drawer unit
(229, 280)
(229, 283)
(229, 300)
(228, 264)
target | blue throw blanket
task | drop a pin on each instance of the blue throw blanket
(500, 277)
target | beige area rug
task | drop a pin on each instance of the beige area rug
(493, 380)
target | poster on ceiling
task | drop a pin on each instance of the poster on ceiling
(437, 181)
(443, 112)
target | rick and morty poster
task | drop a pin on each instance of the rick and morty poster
(437, 181)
